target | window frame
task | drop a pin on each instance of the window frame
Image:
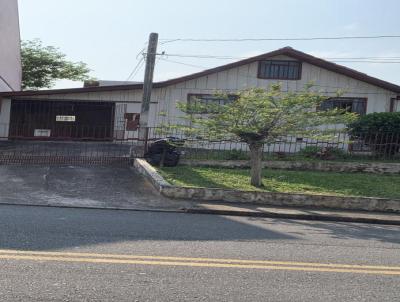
(362, 99)
(260, 76)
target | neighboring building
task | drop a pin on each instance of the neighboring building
(10, 49)
(113, 110)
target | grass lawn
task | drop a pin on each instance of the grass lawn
(340, 184)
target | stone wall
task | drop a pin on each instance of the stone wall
(325, 166)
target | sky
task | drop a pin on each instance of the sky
(109, 35)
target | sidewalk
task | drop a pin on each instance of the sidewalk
(295, 213)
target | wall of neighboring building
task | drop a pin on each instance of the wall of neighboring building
(10, 54)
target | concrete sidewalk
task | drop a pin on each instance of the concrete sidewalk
(120, 188)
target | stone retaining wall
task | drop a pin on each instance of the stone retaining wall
(265, 198)
(325, 166)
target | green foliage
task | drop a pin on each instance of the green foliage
(377, 122)
(258, 116)
(324, 153)
(236, 155)
(380, 131)
(263, 115)
(43, 65)
(309, 151)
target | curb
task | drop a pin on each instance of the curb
(312, 217)
(309, 217)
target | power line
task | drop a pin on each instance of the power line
(172, 40)
(353, 89)
(136, 69)
(337, 59)
(186, 64)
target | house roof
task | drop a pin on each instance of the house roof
(287, 51)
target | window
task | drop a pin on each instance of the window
(279, 69)
(356, 105)
(394, 105)
(210, 99)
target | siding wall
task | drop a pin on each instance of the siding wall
(165, 99)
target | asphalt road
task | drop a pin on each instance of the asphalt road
(56, 254)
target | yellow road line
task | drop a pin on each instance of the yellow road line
(191, 259)
(196, 264)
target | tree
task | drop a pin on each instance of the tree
(258, 116)
(43, 65)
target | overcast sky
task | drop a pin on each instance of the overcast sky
(108, 35)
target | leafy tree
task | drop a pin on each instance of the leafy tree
(258, 116)
(43, 65)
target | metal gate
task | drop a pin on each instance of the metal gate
(68, 132)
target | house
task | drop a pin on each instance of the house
(10, 58)
(111, 112)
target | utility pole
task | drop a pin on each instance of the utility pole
(148, 79)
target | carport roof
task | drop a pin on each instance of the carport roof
(288, 51)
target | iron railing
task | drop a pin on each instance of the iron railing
(120, 145)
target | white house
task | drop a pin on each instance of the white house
(10, 58)
(110, 112)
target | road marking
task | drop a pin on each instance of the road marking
(191, 259)
(197, 262)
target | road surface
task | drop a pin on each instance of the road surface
(57, 254)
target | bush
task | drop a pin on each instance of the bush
(377, 122)
(327, 153)
(310, 151)
(236, 155)
(380, 131)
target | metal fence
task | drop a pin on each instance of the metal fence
(339, 144)
(121, 145)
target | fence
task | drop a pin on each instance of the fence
(97, 145)
(337, 145)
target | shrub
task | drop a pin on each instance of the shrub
(236, 155)
(327, 153)
(310, 151)
(380, 131)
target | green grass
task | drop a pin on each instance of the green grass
(339, 184)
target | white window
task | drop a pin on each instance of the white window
(396, 107)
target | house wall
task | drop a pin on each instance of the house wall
(165, 99)
(325, 81)
(10, 56)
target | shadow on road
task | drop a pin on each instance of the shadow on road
(342, 230)
(40, 228)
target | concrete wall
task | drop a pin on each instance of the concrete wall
(10, 56)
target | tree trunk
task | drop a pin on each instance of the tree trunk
(256, 163)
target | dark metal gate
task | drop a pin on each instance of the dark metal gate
(68, 132)
(61, 120)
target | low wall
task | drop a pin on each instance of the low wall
(264, 198)
(325, 166)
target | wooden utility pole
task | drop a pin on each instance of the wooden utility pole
(148, 79)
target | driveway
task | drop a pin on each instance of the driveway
(91, 186)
